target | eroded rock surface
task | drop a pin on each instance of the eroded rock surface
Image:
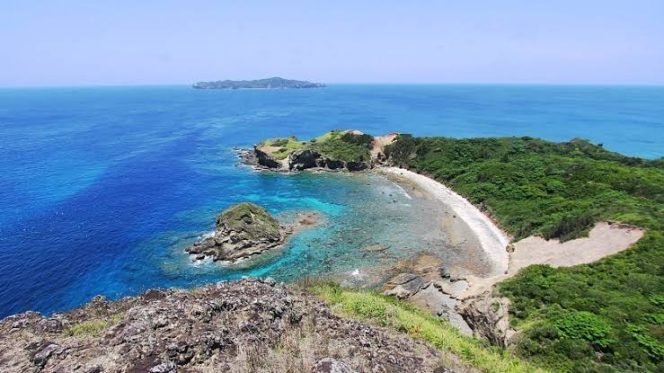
(244, 326)
(488, 316)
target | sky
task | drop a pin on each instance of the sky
(120, 42)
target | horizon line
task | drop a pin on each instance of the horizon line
(137, 85)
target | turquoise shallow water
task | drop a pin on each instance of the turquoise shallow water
(101, 188)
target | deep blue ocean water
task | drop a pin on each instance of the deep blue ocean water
(102, 188)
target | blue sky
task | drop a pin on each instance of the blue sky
(77, 42)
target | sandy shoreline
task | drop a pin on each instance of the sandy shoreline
(604, 238)
(492, 240)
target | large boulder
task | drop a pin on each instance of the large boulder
(242, 231)
(488, 317)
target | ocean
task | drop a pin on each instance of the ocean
(101, 189)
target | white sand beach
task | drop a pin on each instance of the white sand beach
(603, 240)
(493, 241)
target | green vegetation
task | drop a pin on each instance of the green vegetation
(605, 316)
(93, 327)
(389, 312)
(343, 146)
(336, 145)
(286, 146)
(249, 218)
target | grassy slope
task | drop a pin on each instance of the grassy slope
(389, 312)
(605, 316)
(335, 145)
(286, 146)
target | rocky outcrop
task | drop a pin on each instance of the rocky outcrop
(263, 159)
(330, 164)
(404, 285)
(351, 150)
(305, 159)
(302, 159)
(244, 326)
(422, 280)
(488, 316)
(245, 230)
(356, 165)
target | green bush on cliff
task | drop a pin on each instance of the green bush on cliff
(337, 145)
(249, 218)
(344, 146)
(559, 190)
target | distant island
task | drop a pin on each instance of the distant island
(269, 83)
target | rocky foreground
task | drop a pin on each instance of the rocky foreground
(244, 326)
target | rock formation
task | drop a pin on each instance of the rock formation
(349, 150)
(488, 317)
(244, 326)
(245, 230)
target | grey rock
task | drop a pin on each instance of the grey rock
(329, 365)
(454, 289)
(42, 355)
(404, 285)
(243, 230)
(488, 316)
(205, 330)
(50, 326)
(167, 367)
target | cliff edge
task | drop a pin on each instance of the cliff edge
(244, 326)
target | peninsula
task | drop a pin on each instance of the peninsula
(269, 83)
(577, 219)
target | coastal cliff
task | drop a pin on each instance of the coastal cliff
(350, 150)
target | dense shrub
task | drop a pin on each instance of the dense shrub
(584, 325)
(559, 190)
(570, 227)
